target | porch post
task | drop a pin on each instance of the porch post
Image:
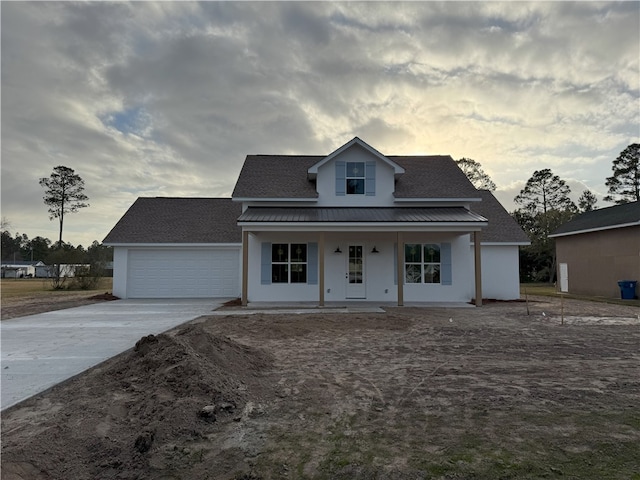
(400, 263)
(478, 267)
(245, 267)
(321, 269)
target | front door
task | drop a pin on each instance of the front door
(355, 272)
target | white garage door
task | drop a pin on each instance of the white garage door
(183, 273)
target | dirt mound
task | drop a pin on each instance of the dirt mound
(147, 413)
(236, 302)
(104, 296)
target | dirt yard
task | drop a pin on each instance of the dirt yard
(479, 393)
(22, 297)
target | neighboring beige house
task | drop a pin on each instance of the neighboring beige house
(598, 249)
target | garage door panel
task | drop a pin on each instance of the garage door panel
(183, 273)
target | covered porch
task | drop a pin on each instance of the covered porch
(393, 259)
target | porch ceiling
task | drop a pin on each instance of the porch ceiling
(361, 215)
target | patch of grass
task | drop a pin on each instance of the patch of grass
(551, 444)
(15, 288)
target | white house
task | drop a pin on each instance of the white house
(353, 225)
(20, 269)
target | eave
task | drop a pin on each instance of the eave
(397, 169)
(596, 229)
(172, 245)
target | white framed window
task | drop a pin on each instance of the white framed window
(355, 178)
(289, 263)
(422, 263)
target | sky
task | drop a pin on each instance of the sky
(167, 99)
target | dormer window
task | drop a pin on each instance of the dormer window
(355, 178)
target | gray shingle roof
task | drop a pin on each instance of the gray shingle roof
(178, 220)
(360, 215)
(284, 176)
(276, 176)
(502, 227)
(602, 219)
(432, 177)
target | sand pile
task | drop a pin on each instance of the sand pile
(145, 414)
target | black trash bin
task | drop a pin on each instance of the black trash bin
(627, 289)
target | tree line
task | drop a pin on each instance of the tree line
(21, 248)
(544, 205)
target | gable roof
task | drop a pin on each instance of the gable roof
(502, 227)
(178, 220)
(397, 169)
(286, 176)
(618, 216)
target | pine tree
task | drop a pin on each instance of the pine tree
(587, 201)
(474, 172)
(624, 184)
(64, 193)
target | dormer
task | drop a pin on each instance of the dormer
(355, 174)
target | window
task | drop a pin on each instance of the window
(355, 177)
(289, 263)
(422, 263)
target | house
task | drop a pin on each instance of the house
(597, 249)
(65, 270)
(20, 269)
(353, 225)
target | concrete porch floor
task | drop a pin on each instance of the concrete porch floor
(274, 308)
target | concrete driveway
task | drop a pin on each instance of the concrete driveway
(42, 350)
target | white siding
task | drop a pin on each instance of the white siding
(500, 272)
(379, 269)
(326, 182)
(280, 292)
(462, 277)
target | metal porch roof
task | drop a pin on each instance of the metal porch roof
(360, 215)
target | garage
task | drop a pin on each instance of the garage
(183, 273)
(177, 248)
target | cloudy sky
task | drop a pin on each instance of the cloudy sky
(167, 99)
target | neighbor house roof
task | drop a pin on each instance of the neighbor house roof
(502, 226)
(360, 215)
(178, 220)
(286, 176)
(618, 216)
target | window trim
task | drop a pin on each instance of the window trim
(423, 264)
(289, 263)
(348, 176)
